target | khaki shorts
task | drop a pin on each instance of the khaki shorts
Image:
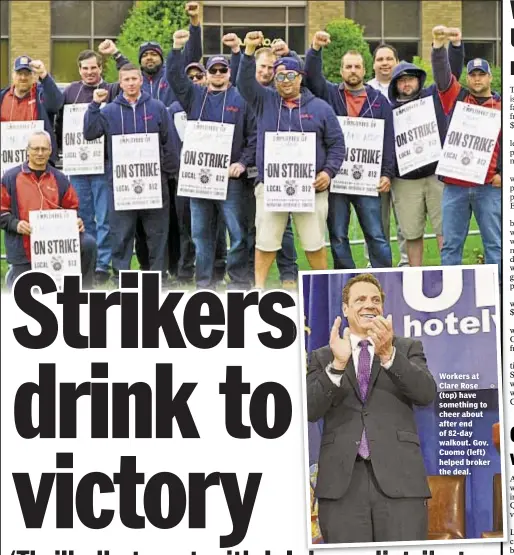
(413, 200)
(270, 226)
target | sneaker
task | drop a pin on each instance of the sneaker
(290, 285)
(101, 277)
(403, 264)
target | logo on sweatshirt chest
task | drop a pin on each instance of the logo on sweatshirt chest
(234, 109)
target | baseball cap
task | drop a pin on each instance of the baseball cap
(290, 64)
(480, 64)
(196, 65)
(22, 62)
(218, 59)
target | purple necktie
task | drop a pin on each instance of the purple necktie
(364, 375)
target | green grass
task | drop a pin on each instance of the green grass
(473, 250)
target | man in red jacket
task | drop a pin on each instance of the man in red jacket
(36, 185)
(461, 198)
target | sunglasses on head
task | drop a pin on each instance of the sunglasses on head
(214, 70)
(289, 76)
(196, 76)
(150, 43)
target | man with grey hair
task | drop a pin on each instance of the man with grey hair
(37, 185)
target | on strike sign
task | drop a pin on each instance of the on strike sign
(205, 160)
(361, 170)
(416, 135)
(80, 157)
(15, 137)
(137, 185)
(470, 143)
(55, 243)
(289, 171)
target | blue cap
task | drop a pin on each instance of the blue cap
(218, 59)
(290, 64)
(195, 65)
(480, 64)
(22, 62)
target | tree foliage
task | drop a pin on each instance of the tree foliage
(345, 35)
(154, 20)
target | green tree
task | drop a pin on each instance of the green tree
(154, 20)
(345, 35)
(496, 71)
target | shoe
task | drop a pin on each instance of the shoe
(403, 264)
(289, 285)
(101, 277)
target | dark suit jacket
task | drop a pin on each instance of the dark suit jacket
(387, 413)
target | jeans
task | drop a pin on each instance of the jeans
(88, 253)
(233, 211)
(458, 205)
(155, 224)
(94, 208)
(369, 214)
(286, 256)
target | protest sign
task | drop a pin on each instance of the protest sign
(180, 120)
(14, 140)
(470, 143)
(136, 171)
(80, 157)
(416, 135)
(289, 171)
(55, 243)
(205, 160)
(362, 168)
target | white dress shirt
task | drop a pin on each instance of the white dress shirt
(356, 351)
(377, 85)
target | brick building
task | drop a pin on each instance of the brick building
(57, 30)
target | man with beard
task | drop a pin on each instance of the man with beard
(287, 107)
(372, 484)
(462, 198)
(218, 102)
(419, 193)
(353, 98)
(265, 58)
(197, 73)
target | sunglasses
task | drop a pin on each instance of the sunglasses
(196, 76)
(215, 70)
(289, 76)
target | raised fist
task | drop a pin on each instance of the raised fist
(439, 35)
(454, 35)
(320, 40)
(180, 38)
(100, 95)
(193, 9)
(280, 48)
(253, 39)
(39, 69)
(232, 41)
(107, 47)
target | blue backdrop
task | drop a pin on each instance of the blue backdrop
(452, 311)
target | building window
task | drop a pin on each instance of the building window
(4, 44)
(397, 22)
(80, 25)
(481, 30)
(286, 22)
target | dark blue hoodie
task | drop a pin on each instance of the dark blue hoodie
(157, 85)
(376, 107)
(201, 104)
(316, 116)
(149, 116)
(423, 92)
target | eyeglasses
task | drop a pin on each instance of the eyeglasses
(215, 70)
(289, 76)
(196, 76)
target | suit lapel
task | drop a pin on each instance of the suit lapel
(375, 369)
(352, 378)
